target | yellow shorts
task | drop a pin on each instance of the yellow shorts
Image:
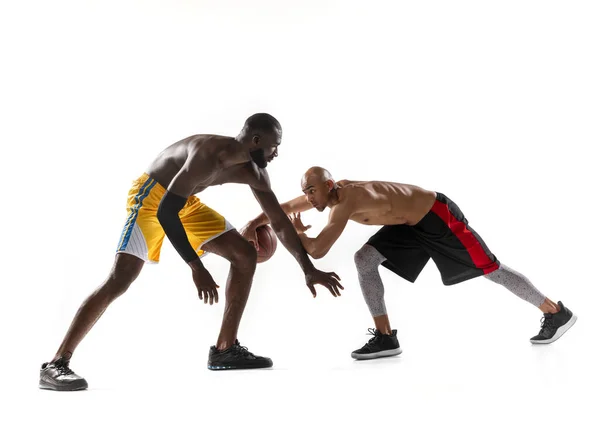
(143, 234)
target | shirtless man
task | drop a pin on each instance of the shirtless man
(162, 201)
(418, 225)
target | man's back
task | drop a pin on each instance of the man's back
(385, 203)
(215, 150)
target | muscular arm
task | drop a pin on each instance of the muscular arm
(297, 205)
(319, 246)
(281, 224)
(194, 172)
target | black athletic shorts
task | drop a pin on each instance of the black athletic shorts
(443, 235)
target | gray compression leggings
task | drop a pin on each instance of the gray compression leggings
(368, 260)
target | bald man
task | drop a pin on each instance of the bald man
(418, 224)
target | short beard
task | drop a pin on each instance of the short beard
(258, 156)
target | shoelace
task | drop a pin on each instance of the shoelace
(376, 335)
(242, 349)
(547, 323)
(63, 368)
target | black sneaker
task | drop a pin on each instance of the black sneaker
(554, 325)
(236, 357)
(380, 345)
(57, 376)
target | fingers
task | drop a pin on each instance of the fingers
(335, 280)
(214, 295)
(334, 286)
(331, 281)
(333, 289)
(209, 295)
(331, 286)
(254, 243)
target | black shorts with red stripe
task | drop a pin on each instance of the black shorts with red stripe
(444, 235)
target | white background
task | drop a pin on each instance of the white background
(494, 104)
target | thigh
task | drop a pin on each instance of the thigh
(203, 225)
(457, 250)
(142, 234)
(126, 268)
(233, 247)
(402, 250)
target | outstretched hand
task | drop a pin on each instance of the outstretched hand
(297, 222)
(330, 280)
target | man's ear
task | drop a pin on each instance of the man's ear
(330, 185)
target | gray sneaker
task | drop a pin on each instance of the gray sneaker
(57, 376)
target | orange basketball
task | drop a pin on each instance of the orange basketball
(267, 243)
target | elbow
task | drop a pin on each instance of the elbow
(317, 254)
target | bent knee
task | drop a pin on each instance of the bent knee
(122, 275)
(367, 256)
(244, 256)
(118, 282)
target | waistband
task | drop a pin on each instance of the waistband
(157, 186)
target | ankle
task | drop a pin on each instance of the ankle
(382, 324)
(549, 307)
(223, 345)
(65, 356)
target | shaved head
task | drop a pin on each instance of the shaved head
(262, 123)
(317, 175)
(317, 184)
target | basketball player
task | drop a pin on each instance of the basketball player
(161, 202)
(418, 224)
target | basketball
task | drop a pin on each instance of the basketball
(267, 243)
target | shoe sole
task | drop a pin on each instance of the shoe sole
(559, 332)
(46, 386)
(222, 367)
(370, 356)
